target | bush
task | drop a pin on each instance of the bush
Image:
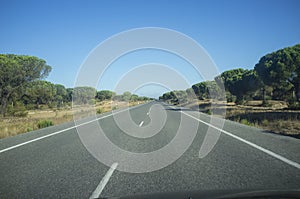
(266, 103)
(265, 122)
(19, 110)
(230, 97)
(30, 106)
(44, 123)
(293, 105)
(114, 108)
(99, 111)
(52, 105)
(208, 112)
(246, 122)
(28, 129)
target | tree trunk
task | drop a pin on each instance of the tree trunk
(239, 99)
(263, 91)
(3, 105)
(297, 92)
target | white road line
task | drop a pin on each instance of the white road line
(104, 181)
(63, 130)
(141, 124)
(279, 157)
(149, 110)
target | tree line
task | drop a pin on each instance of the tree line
(22, 87)
(276, 76)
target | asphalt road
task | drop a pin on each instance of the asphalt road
(53, 162)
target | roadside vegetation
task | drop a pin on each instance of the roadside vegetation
(45, 116)
(29, 103)
(267, 96)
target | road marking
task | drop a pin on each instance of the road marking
(149, 110)
(279, 157)
(142, 122)
(104, 181)
(63, 130)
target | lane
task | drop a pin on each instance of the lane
(271, 153)
(60, 167)
(55, 167)
(141, 145)
(7, 144)
(231, 165)
(282, 145)
(104, 181)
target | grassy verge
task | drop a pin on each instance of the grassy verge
(11, 126)
(274, 118)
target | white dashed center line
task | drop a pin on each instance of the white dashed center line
(141, 124)
(104, 181)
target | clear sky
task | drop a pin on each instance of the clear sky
(236, 33)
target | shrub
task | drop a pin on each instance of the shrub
(266, 103)
(208, 112)
(114, 108)
(99, 111)
(265, 122)
(52, 105)
(230, 97)
(28, 129)
(44, 123)
(30, 106)
(293, 105)
(19, 110)
(246, 122)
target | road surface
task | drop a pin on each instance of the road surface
(53, 162)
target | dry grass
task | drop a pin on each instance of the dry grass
(11, 126)
(274, 118)
(284, 127)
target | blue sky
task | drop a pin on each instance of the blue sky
(235, 33)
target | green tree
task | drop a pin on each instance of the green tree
(126, 96)
(104, 95)
(175, 97)
(143, 98)
(61, 94)
(239, 82)
(190, 94)
(180, 96)
(40, 92)
(207, 90)
(83, 95)
(118, 97)
(16, 71)
(281, 69)
(166, 96)
(69, 95)
(134, 97)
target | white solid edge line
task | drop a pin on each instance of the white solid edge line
(104, 181)
(279, 157)
(142, 122)
(63, 130)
